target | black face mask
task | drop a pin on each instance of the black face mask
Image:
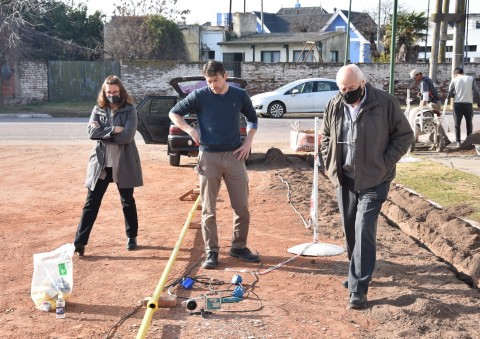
(352, 96)
(114, 99)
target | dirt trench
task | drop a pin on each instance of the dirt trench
(449, 237)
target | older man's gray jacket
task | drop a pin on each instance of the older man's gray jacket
(128, 174)
(383, 137)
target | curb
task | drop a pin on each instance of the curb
(25, 115)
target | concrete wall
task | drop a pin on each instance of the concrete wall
(210, 37)
(244, 24)
(191, 34)
(152, 77)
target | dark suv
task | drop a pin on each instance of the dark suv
(156, 128)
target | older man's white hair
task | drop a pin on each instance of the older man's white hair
(350, 69)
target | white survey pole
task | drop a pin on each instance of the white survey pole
(315, 248)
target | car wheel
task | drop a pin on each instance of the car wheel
(174, 159)
(276, 109)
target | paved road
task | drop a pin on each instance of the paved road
(272, 133)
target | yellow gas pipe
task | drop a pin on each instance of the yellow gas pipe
(152, 305)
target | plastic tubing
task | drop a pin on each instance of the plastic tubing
(152, 305)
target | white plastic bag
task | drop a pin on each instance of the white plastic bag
(302, 140)
(52, 274)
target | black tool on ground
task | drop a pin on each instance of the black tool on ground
(191, 304)
(202, 312)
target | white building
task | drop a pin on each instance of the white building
(472, 41)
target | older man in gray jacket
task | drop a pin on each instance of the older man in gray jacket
(364, 135)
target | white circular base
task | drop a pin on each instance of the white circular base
(409, 159)
(316, 249)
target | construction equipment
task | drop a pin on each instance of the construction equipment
(426, 121)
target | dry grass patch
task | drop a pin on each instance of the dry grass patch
(446, 186)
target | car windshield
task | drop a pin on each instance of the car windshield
(189, 86)
(289, 85)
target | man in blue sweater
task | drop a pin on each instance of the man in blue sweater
(221, 155)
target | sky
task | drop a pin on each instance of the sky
(205, 10)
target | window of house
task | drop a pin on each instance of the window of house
(211, 55)
(270, 56)
(333, 56)
(472, 48)
(300, 56)
(477, 25)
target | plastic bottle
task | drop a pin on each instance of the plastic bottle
(60, 307)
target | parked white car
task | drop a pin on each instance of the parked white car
(301, 96)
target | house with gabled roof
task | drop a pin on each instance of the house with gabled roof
(362, 32)
(250, 46)
(315, 19)
(298, 19)
(300, 34)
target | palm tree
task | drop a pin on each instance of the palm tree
(411, 28)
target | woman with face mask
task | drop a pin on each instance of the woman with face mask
(114, 158)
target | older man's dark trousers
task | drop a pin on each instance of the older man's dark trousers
(359, 211)
(92, 206)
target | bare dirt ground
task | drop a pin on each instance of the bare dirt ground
(425, 284)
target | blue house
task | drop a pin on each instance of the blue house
(362, 31)
(315, 19)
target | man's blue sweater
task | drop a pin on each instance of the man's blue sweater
(219, 116)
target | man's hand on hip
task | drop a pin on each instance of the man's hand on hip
(243, 151)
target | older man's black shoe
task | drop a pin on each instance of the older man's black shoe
(345, 283)
(132, 243)
(357, 300)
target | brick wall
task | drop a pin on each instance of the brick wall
(152, 77)
(265, 77)
(33, 82)
(147, 77)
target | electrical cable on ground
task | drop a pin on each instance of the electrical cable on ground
(290, 201)
(121, 320)
(137, 308)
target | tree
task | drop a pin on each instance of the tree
(50, 30)
(145, 30)
(13, 21)
(305, 23)
(126, 38)
(166, 40)
(164, 8)
(410, 29)
(144, 38)
(71, 25)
